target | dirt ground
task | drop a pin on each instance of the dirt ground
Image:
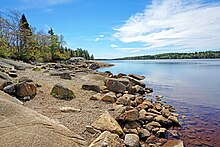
(47, 105)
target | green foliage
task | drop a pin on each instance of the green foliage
(196, 55)
(19, 41)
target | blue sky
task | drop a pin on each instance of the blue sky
(119, 28)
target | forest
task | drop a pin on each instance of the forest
(195, 55)
(20, 41)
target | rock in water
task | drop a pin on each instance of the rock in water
(25, 89)
(94, 66)
(135, 76)
(106, 122)
(61, 92)
(95, 88)
(23, 127)
(107, 139)
(132, 140)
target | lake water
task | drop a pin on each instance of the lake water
(191, 86)
(195, 82)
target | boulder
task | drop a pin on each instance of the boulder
(158, 107)
(109, 97)
(137, 77)
(21, 126)
(135, 82)
(174, 120)
(130, 115)
(143, 134)
(132, 140)
(95, 88)
(107, 139)
(61, 92)
(138, 89)
(174, 143)
(106, 122)
(163, 121)
(115, 85)
(25, 90)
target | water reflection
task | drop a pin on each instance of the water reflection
(191, 81)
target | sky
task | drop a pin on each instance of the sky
(121, 28)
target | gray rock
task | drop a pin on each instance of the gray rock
(132, 140)
(10, 89)
(137, 77)
(115, 85)
(61, 92)
(135, 82)
(95, 88)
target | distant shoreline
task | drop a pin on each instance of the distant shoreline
(195, 55)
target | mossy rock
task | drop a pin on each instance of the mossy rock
(61, 92)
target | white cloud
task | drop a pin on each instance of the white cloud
(98, 38)
(179, 24)
(113, 45)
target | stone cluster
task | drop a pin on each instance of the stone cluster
(134, 120)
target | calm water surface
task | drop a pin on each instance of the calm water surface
(195, 82)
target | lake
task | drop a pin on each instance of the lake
(191, 86)
(196, 82)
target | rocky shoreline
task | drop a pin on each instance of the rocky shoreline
(105, 109)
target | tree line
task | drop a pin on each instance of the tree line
(195, 55)
(20, 41)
